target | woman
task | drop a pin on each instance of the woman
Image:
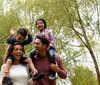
(19, 70)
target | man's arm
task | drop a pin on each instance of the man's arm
(59, 68)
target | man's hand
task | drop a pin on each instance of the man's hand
(54, 67)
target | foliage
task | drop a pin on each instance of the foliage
(65, 18)
(83, 76)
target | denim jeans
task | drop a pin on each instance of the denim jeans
(52, 55)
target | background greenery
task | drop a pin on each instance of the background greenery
(76, 26)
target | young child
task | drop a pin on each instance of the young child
(20, 37)
(41, 26)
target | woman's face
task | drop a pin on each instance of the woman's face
(40, 25)
(17, 52)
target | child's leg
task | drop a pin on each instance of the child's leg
(52, 55)
(52, 60)
(32, 55)
(7, 69)
(31, 65)
(36, 75)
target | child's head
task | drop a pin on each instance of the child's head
(40, 24)
(21, 35)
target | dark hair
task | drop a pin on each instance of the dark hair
(22, 31)
(11, 48)
(42, 21)
(43, 39)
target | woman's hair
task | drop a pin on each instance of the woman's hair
(22, 31)
(10, 49)
(42, 21)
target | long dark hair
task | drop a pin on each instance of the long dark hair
(10, 49)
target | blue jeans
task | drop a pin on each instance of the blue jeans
(52, 55)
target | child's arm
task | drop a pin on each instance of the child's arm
(11, 39)
(7, 66)
(29, 39)
(7, 69)
(31, 65)
(27, 29)
(12, 33)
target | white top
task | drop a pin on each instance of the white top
(18, 73)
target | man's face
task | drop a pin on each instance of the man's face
(39, 47)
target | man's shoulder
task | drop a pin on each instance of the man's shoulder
(57, 57)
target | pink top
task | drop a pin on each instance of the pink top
(49, 35)
(43, 66)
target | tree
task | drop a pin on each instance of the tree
(83, 76)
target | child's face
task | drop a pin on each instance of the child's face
(20, 38)
(40, 25)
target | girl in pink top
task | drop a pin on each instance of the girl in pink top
(41, 26)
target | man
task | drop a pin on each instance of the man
(42, 62)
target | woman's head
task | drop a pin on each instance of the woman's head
(16, 50)
(21, 35)
(40, 24)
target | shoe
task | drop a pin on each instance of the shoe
(7, 81)
(52, 75)
(38, 76)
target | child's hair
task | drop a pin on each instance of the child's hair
(22, 31)
(42, 21)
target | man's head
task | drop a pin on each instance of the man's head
(21, 35)
(41, 43)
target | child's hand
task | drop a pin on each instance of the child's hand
(12, 32)
(48, 47)
(27, 29)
